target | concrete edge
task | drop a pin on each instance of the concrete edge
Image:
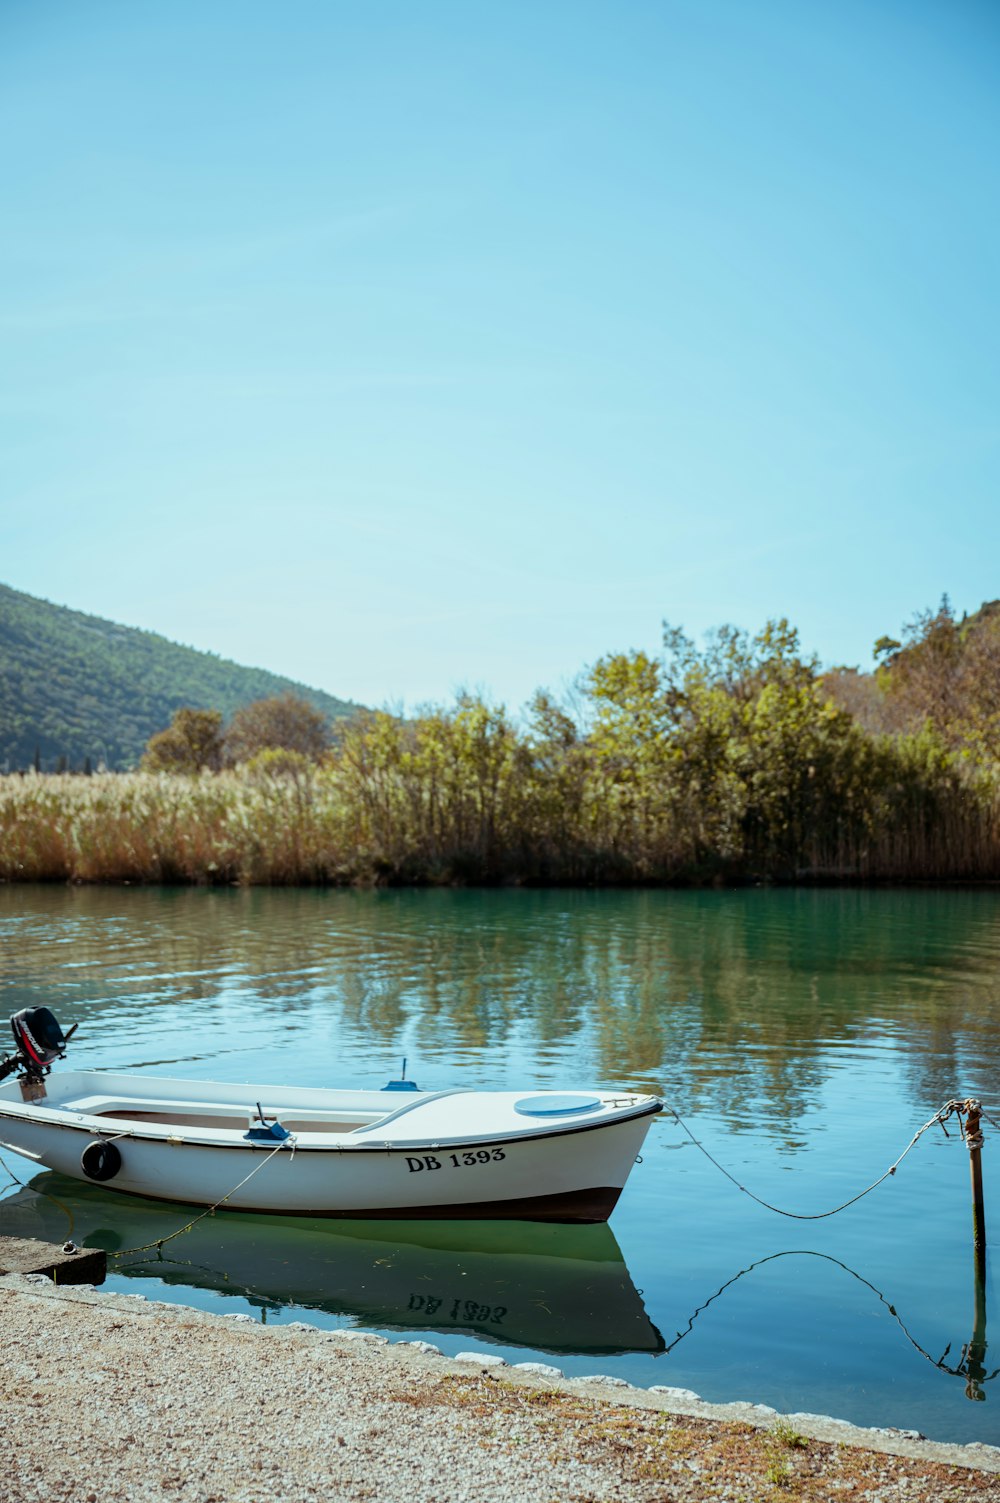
(424, 1356)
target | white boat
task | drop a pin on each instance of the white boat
(284, 1150)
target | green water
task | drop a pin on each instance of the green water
(804, 1036)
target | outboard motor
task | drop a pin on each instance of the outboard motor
(38, 1041)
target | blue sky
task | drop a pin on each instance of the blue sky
(400, 348)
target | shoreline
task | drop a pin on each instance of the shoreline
(112, 1397)
(799, 881)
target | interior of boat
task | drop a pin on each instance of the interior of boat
(198, 1114)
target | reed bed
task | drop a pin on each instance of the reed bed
(149, 827)
(331, 826)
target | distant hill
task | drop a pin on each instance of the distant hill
(75, 687)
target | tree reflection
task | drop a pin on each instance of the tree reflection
(752, 999)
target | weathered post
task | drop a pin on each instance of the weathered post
(974, 1143)
(973, 1364)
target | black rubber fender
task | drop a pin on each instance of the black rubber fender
(101, 1160)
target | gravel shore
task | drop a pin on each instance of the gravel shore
(108, 1398)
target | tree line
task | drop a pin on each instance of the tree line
(196, 741)
(738, 761)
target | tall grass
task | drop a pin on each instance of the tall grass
(387, 822)
(147, 827)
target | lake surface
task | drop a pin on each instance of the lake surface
(804, 1036)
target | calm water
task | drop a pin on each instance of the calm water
(804, 1036)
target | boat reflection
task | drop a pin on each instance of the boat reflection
(551, 1287)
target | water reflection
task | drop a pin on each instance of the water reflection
(558, 1288)
(804, 1035)
(971, 1364)
(552, 1288)
(750, 999)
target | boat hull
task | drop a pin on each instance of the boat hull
(570, 1172)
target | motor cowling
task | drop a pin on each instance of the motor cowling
(38, 1041)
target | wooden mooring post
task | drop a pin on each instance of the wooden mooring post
(974, 1142)
(974, 1356)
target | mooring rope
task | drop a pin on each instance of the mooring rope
(803, 1252)
(126, 1252)
(66, 1210)
(950, 1108)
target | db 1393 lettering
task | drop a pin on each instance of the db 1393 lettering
(468, 1160)
(461, 1309)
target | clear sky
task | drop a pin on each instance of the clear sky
(399, 347)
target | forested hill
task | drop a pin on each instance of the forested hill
(75, 687)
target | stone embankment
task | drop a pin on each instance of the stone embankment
(108, 1398)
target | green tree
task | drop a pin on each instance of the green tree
(557, 769)
(485, 789)
(634, 756)
(367, 769)
(284, 720)
(191, 743)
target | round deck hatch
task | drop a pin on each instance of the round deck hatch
(555, 1106)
